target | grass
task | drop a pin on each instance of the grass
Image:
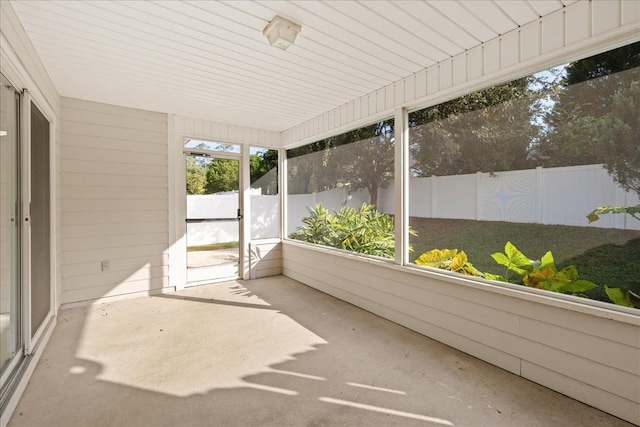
(213, 247)
(604, 256)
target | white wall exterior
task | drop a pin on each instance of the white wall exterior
(115, 204)
(590, 354)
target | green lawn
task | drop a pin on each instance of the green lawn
(213, 247)
(603, 256)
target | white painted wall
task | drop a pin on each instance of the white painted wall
(115, 204)
(588, 353)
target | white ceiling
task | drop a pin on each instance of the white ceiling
(209, 59)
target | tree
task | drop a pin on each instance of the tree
(264, 171)
(196, 176)
(367, 162)
(489, 130)
(619, 138)
(222, 175)
(581, 101)
(362, 158)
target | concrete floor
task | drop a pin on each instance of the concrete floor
(270, 352)
(217, 257)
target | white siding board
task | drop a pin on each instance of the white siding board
(518, 11)
(421, 84)
(113, 205)
(605, 15)
(121, 217)
(474, 63)
(113, 168)
(460, 68)
(87, 192)
(94, 230)
(584, 392)
(597, 349)
(98, 142)
(465, 19)
(433, 80)
(115, 120)
(110, 277)
(114, 241)
(630, 11)
(601, 376)
(578, 23)
(491, 55)
(371, 106)
(89, 255)
(113, 156)
(544, 7)
(131, 181)
(381, 103)
(553, 31)
(90, 129)
(410, 88)
(127, 264)
(120, 289)
(398, 94)
(510, 49)
(492, 15)
(530, 40)
(114, 200)
(445, 74)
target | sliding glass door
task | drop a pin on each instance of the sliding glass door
(25, 232)
(10, 289)
(40, 247)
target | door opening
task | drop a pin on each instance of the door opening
(212, 218)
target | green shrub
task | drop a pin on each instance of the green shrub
(364, 230)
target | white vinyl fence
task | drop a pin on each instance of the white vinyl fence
(560, 196)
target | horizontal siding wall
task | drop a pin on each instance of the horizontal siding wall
(115, 203)
(188, 127)
(265, 258)
(552, 40)
(559, 344)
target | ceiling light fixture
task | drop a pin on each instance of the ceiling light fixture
(281, 32)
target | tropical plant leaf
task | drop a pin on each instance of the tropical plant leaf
(578, 286)
(547, 261)
(618, 296)
(517, 258)
(436, 257)
(458, 262)
(569, 274)
(594, 215)
(538, 279)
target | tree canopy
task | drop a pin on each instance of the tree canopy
(214, 175)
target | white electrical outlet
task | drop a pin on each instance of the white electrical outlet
(106, 266)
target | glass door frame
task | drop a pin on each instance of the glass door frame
(29, 342)
(215, 154)
(11, 367)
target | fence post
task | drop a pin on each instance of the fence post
(539, 194)
(478, 179)
(433, 196)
